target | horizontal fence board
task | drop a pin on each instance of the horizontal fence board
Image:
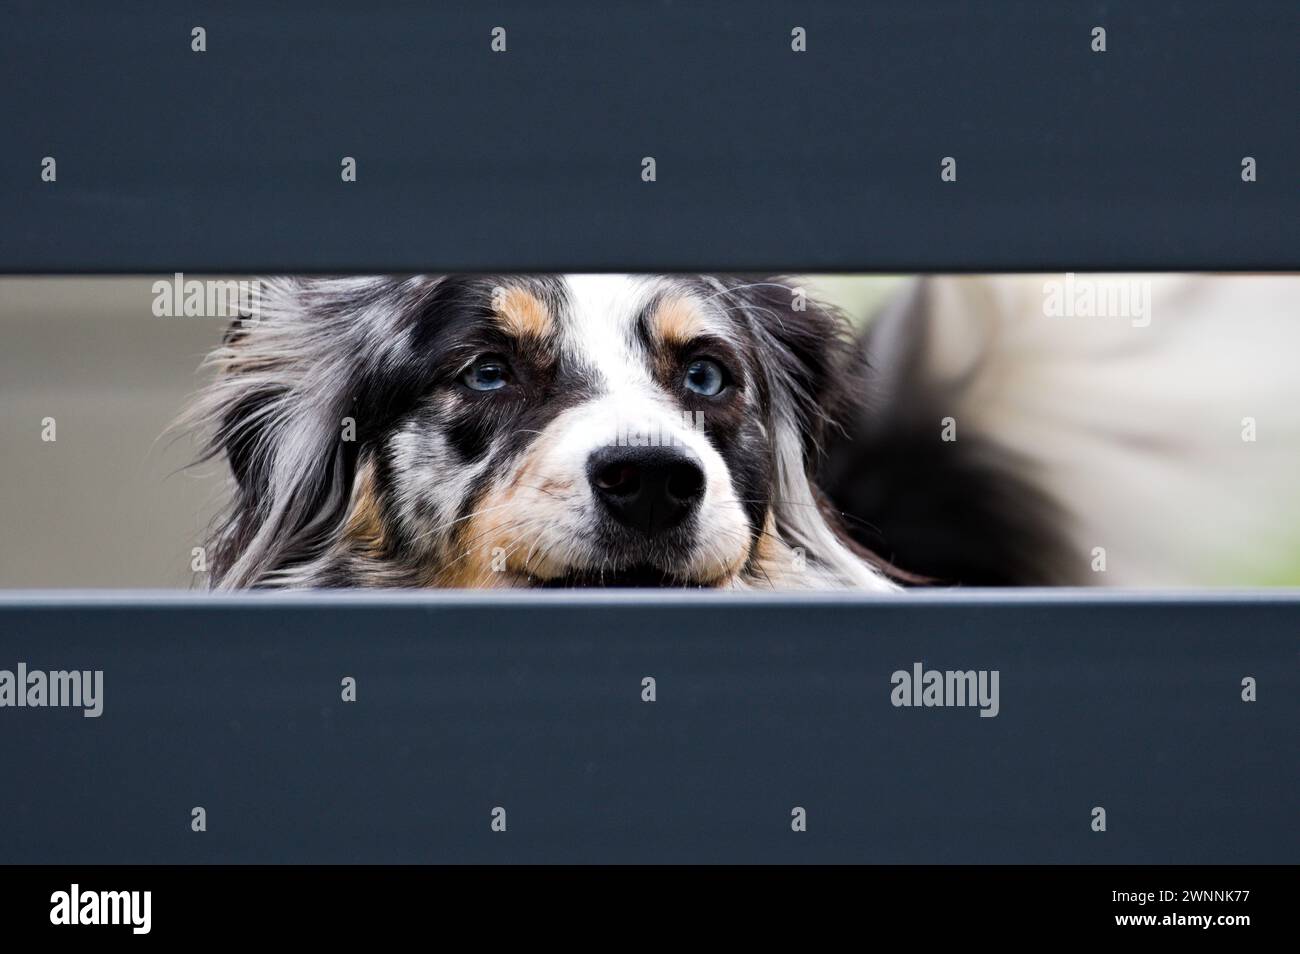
(230, 160)
(533, 703)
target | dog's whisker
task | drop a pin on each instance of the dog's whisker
(433, 531)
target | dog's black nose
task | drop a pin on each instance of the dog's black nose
(650, 489)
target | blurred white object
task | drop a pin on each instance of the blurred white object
(1138, 425)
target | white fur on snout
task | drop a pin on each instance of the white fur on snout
(551, 486)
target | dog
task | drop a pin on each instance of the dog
(476, 431)
(735, 432)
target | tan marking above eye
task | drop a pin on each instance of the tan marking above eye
(523, 315)
(677, 321)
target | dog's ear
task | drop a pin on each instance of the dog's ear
(811, 369)
(246, 425)
(284, 411)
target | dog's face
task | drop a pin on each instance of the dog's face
(528, 431)
(594, 430)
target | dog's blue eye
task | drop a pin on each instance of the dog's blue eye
(486, 374)
(705, 377)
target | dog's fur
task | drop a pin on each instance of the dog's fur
(362, 458)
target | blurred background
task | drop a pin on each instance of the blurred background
(1140, 425)
(103, 505)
